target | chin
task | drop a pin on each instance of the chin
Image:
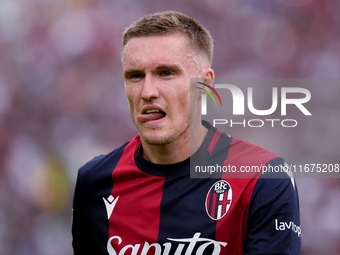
(157, 140)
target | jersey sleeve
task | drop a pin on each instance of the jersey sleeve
(90, 227)
(82, 240)
(273, 222)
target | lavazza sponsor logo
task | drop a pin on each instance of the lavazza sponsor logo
(282, 226)
(239, 103)
(194, 242)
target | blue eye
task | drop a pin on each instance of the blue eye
(166, 73)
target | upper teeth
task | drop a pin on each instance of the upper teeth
(152, 110)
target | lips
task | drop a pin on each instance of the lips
(150, 114)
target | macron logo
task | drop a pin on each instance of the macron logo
(110, 203)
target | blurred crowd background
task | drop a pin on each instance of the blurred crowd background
(62, 100)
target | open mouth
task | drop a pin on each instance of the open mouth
(150, 115)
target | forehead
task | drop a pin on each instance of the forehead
(151, 50)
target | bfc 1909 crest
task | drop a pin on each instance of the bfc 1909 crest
(218, 200)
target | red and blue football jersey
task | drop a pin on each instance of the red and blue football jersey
(126, 205)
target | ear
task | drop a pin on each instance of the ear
(209, 77)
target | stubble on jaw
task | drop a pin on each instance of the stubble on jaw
(165, 139)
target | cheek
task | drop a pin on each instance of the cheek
(131, 105)
(184, 104)
(131, 99)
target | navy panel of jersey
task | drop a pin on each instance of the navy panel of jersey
(124, 204)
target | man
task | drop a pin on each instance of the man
(140, 199)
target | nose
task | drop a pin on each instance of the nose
(150, 88)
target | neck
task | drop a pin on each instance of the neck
(178, 150)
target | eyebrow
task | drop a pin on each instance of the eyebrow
(168, 67)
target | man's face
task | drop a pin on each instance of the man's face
(157, 72)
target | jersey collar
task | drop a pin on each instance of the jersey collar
(183, 167)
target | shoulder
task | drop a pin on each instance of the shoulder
(251, 151)
(248, 159)
(104, 164)
(274, 179)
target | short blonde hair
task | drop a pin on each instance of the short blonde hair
(169, 23)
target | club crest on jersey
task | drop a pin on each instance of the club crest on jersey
(218, 200)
